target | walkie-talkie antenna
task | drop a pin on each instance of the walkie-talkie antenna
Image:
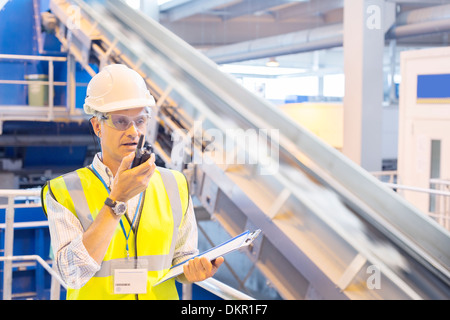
(141, 142)
(139, 152)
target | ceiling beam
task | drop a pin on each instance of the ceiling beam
(218, 33)
(296, 42)
(172, 4)
(256, 7)
(312, 8)
(193, 7)
(227, 9)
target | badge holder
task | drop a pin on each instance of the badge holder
(129, 276)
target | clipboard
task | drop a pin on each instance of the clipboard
(240, 241)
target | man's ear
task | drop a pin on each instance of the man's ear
(95, 126)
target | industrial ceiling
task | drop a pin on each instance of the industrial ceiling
(214, 25)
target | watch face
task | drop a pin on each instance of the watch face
(120, 208)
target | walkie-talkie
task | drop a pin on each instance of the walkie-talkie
(141, 153)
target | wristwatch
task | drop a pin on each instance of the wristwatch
(118, 207)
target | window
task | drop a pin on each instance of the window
(334, 85)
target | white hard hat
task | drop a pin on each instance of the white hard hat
(117, 87)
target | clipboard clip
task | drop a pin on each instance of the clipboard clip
(251, 236)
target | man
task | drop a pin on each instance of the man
(116, 230)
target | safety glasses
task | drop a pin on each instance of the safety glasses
(123, 122)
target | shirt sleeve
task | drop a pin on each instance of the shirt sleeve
(74, 263)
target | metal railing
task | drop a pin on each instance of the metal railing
(439, 193)
(8, 257)
(218, 288)
(389, 176)
(441, 215)
(212, 285)
(48, 112)
(441, 212)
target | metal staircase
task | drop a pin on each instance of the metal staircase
(330, 229)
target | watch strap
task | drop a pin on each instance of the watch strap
(110, 202)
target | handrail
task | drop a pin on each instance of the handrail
(438, 188)
(50, 112)
(43, 263)
(31, 57)
(8, 257)
(443, 182)
(50, 74)
(6, 193)
(430, 191)
(442, 218)
(222, 290)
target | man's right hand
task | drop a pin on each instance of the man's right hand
(127, 182)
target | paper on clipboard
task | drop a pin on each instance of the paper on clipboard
(242, 240)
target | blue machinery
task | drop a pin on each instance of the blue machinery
(330, 230)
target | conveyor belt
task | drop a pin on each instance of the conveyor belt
(330, 229)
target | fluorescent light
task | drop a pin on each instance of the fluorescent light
(272, 63)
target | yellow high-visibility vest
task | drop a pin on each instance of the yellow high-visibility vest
(162, 209)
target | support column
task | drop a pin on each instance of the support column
(9, 242)
(71, 84)
(365, 23)
(151, 9)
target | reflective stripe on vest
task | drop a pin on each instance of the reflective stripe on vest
(173, 193)
(73, 184)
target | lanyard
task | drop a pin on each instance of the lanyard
(132, 223)
(121, 222)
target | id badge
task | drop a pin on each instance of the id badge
(129, 276)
